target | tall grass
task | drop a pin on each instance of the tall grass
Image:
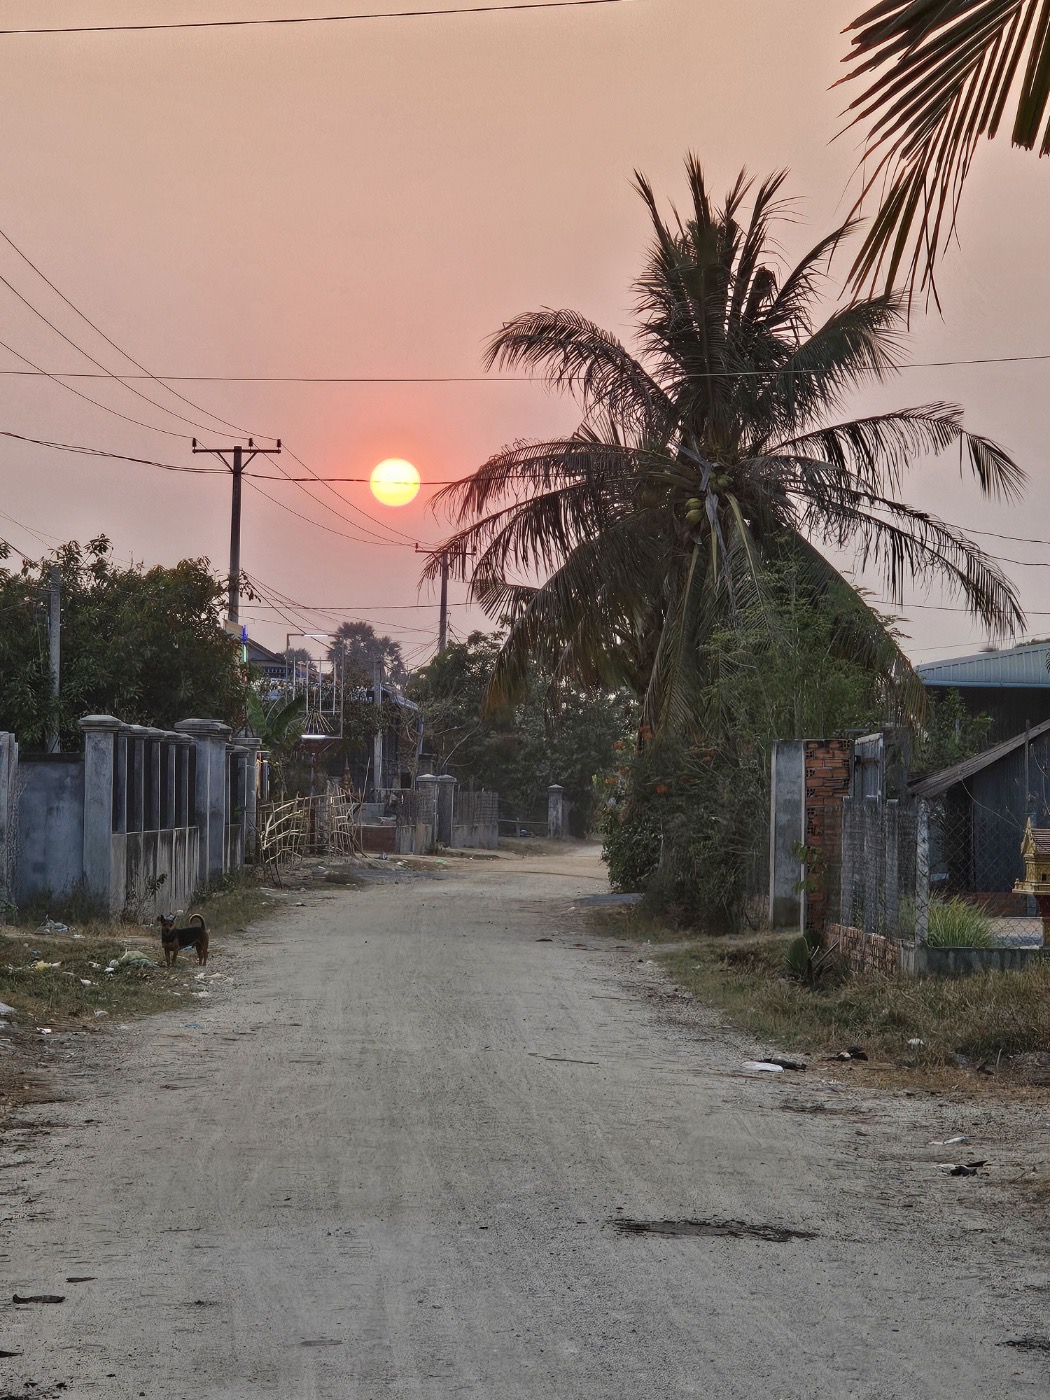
(956, 924)
(979, 1016)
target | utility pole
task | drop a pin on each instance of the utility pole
(444, 558)
(239, 458)
(443, 614)
(54, 628)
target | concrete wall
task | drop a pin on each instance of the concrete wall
(787, 828)
(150, 855)
(50, 826)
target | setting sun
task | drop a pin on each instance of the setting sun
(394, 481)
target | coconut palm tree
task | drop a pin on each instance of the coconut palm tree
(708, 454)
(937, 77)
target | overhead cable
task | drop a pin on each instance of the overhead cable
(284, 20)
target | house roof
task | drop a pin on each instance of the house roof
(1015, 667)
(937, 783)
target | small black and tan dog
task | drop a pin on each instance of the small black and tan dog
(173, 940)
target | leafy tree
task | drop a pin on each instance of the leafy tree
(938, 77)
(521, 750)
(688, 822)
(358, 646)
(279, 724)
(701, 461)
(949, 734)
(147, 645)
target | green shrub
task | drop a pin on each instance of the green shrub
(956, 924)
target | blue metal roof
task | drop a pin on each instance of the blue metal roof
(1021, 667)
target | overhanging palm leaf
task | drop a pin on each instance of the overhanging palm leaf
(938, 76)
(615, 555)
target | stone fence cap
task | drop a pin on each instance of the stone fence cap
(207, 728)
(100, 722)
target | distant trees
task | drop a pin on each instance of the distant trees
(358, 647)
(572, 737)
(146, 645)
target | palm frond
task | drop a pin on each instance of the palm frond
(938, 75)
(877, 451)
(574, 353)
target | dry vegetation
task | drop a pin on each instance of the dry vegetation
(57, 983)
(990, 1019)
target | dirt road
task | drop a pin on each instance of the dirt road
(387, 1155)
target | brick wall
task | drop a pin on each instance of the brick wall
(865, 952)
(827, 767)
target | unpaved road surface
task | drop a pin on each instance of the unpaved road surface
(385, 1158)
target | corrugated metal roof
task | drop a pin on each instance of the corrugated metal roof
(1023, 666)
(937, 783)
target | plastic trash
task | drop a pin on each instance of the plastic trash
(133, 957)
(86, 982)
(762, 1067)
(6, 1010)
(916, 1041)
(50, 926)
(948, 1142)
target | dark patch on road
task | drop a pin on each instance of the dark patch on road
(721, 1229)
(1028, 1343)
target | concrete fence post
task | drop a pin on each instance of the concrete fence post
(427, 783)
(922, 873)
(100, 740)
(446, 800)
(209, 739)
(556, 812)
(8, 828)
(251, 748)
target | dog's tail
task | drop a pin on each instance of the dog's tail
(196, 919)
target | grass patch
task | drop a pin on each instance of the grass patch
(955, 924)
(634, 922)
(982, 1016)
(71, 994)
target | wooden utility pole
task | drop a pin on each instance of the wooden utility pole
(240, 456)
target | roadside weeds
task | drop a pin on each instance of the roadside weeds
(56, 983)
(931, 1031)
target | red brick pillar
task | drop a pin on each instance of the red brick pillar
(827, 768)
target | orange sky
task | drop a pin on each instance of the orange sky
(375, 199)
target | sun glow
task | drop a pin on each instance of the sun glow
(395, 482)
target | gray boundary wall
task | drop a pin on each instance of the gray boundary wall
(139, 821)
(787, 828)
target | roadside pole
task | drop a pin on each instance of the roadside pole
(54, 628)
(240, 456)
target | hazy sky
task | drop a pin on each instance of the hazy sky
(375, 199)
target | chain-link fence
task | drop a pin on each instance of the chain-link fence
(878, 847)
(975, 859)
(918, 872)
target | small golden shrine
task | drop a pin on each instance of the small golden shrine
(1035, 849)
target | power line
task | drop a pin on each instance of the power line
(108, 373)
(358, 539)
(151, 427)
(311, 19)
(111, 456)
(109, 341)
(506, 378)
